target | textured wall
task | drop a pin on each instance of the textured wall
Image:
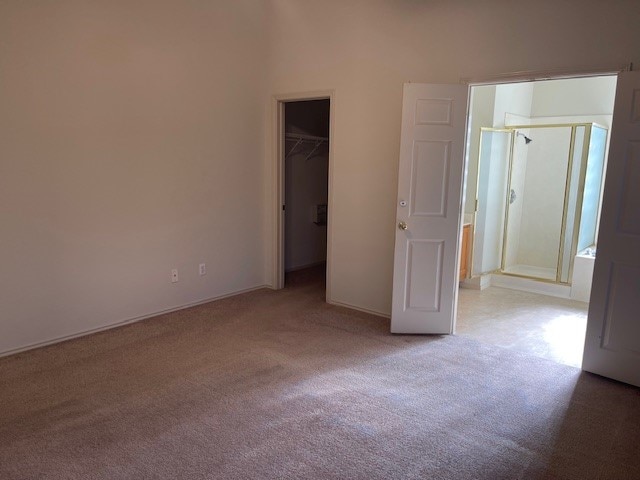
(135, 136)
(131, 143)
(366, 50)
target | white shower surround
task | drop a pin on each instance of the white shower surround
(579, 290)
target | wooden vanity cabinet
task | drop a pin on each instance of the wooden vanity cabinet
(464, 254)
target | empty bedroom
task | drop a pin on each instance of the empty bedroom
(230, 242)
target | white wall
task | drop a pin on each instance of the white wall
(512, 99)
(133, 135)
(480, 115)
(306, 185)
(130, 144)
(366, 49)
(583, 96)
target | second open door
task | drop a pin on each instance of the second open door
(430, 180)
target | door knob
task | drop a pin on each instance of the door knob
(403, 225)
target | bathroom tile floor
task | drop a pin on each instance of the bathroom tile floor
(545, 326)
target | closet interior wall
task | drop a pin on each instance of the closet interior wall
(306, 183)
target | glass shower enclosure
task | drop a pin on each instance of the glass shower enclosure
(538, 198)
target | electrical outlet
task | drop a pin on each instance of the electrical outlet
(203, 269)
(174, 275)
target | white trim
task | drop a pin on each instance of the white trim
(480, 282)
(531, 286)
(361, 309)
(277, 190)
(127, 321)
(534, 76)
(277, 183)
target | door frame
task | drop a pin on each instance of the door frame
(523, 77)
(541, 75)
(278, 181)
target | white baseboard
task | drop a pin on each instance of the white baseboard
(128, 321)
(531, 286)
(477, 283)
(360, 309)
(517, 283)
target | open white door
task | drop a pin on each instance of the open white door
(612, 346)
(430, 180)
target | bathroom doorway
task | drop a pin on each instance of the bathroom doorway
(536, 157)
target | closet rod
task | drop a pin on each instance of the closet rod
(300, 138)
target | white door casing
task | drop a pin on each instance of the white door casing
(430, 180)
(277, 184)
(612, 345)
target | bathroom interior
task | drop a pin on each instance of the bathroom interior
(536, 160)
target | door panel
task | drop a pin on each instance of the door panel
(430, 180)
(423, 285)
(629, 208)
(429, 166)
(612, 346)
(621, 328)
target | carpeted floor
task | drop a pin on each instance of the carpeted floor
(271, 385)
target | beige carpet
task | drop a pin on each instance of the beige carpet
(281, 385)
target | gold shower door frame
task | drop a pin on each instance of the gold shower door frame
(579, 200)
(483, 130)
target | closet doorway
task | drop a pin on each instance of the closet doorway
(304, 139)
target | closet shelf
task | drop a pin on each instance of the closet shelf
(305, 142)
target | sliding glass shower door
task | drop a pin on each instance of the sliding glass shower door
(493, 168)
(538, 198)
(536, 201)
